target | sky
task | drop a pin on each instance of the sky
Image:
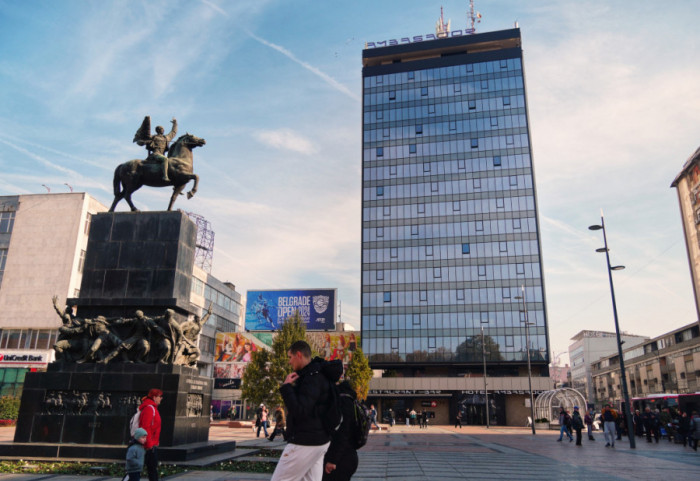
(275, 89)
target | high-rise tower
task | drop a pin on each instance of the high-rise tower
(450, 228)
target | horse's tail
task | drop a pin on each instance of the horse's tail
(116, 182)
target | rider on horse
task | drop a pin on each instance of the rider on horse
(157, 145)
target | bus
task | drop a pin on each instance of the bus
(678, 402)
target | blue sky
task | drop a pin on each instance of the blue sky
(274, 87)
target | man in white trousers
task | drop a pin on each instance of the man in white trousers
(306, 396)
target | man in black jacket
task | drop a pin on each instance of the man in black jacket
(306, 396)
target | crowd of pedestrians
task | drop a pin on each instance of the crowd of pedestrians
(675, 425)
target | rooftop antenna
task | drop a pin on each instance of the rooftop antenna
(442, 29)
(473, 17)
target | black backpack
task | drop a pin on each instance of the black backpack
(333, 415)
(360, 423)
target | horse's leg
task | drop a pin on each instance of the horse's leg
(127, 196)
(117, 198)
(196, 184)
(177, 190)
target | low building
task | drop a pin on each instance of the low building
(43, 239)
(587, 348)
(669, 363)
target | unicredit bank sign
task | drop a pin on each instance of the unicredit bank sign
(12, 358)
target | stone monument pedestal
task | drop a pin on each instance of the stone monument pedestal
(83, 411)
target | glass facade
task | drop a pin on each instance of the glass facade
(449, 217)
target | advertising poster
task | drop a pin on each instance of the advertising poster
(234, 347)
(265, 310)
(229, 370)
(334, 345)
(227, 383)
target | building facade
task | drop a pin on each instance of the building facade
(590, 346)
(687, 184)
(450, 229)
(43, 239)
(669, 363)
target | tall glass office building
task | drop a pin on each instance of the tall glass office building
(450, 229)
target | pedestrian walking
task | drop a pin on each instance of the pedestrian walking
(306, 394)
(136, 455)
(424, 419)
(392, 418)
(373, 417)
(458, 419)
(577, 424)
(408, 417)
(588, 420)
(564, 420)
(150, 422)
(609, 416)
(651, 424)
(413, 417)
(684, 428)
(261, 419)
(694, 430)
(279, 424)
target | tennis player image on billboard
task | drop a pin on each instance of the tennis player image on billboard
(265, 310)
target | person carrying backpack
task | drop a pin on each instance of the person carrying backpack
(340, 461)
(309, 399)
(564, 419)
(577, 424)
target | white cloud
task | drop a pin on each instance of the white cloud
(286, 139)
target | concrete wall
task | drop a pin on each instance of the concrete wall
(43, 257)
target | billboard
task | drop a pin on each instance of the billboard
(234, 347)
(229, 370)
(265, 310)
(334, 345)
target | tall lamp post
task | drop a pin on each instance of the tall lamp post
(529, 369)
(483, 357)
(623, 375)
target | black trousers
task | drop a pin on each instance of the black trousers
(152, 463)
(578, 436)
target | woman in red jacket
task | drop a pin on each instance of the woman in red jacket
(150, 421)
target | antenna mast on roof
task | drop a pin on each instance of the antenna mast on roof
(473, 17)
(442, 29)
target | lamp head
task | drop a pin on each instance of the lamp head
(602, 249)
(617, 268)
(595, 227)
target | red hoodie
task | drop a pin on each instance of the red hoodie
(150, 421)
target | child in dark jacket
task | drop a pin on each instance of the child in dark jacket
(135, 455)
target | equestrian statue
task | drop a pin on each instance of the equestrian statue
(158, 170)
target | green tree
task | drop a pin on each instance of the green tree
(257, 385)
(267, 369)
(359, 374)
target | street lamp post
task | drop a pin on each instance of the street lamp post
(483, 357)
(623, 375)
(529, 369)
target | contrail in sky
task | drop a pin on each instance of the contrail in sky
(325, 77)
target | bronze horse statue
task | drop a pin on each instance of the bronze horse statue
(132, 175)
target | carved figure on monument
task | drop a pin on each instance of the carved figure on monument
(187, 352)
(102, 403)
(136, 346)
(158, 170)
(165, 346)
(103, 338)
(72, 342)
(66, 315)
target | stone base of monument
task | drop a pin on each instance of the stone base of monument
(83, 411)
